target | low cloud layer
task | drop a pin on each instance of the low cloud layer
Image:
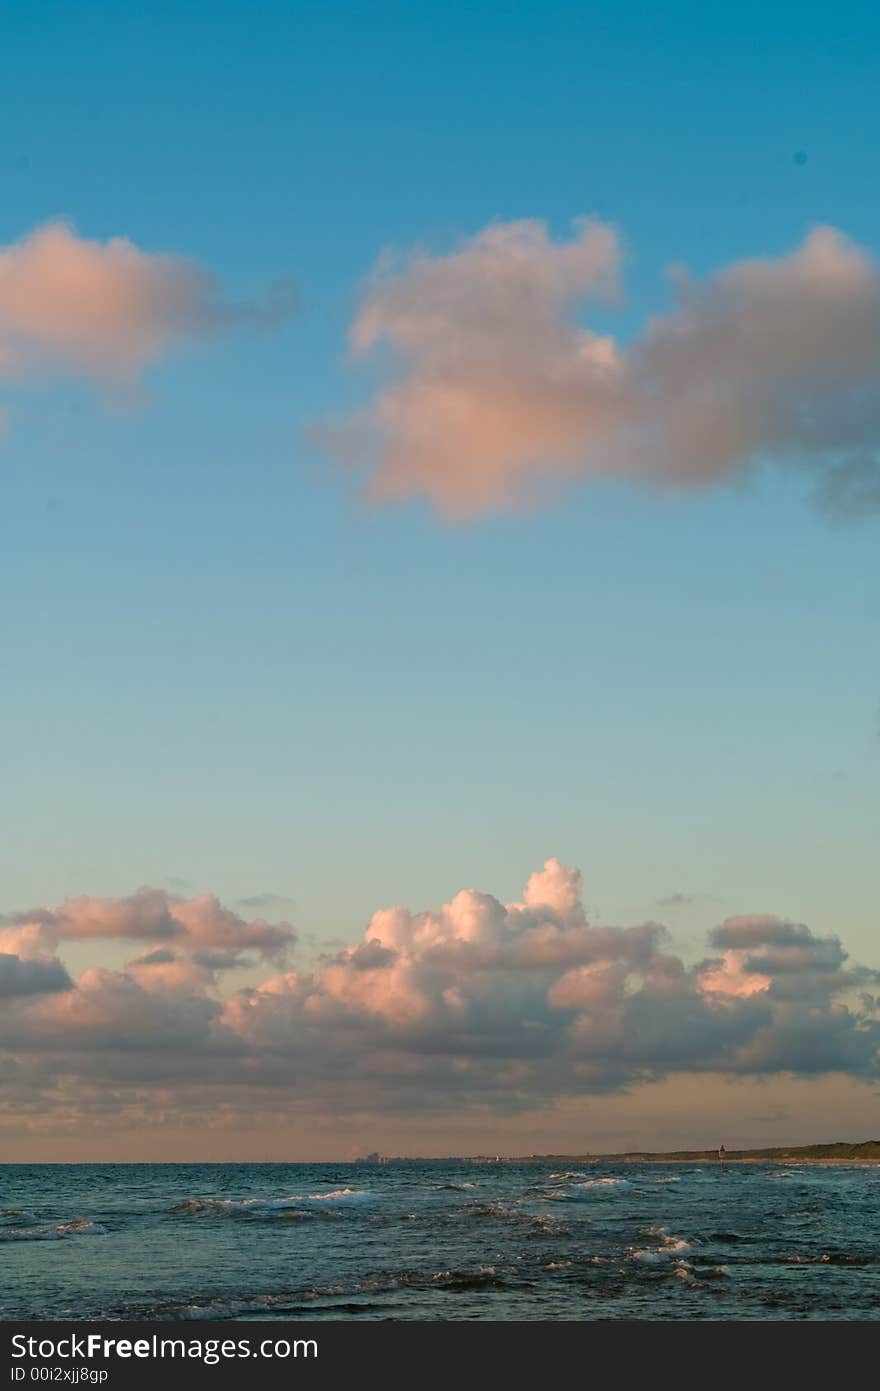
(106, 310)
(476, 1005)
(498, 392)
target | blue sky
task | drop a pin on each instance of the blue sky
(224, 671)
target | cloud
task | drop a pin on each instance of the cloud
(150, 915)
(760, 930)
(475, 1004)
(268, 901)
(33, 976)
(106, 310)
(110, 1010)
(765, 953)
(678, 900)
(498, 393)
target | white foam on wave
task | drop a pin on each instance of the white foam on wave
(667, 1247)
(254, 1206)
(337, 1196)
(603, 1183)
(685, 1272)
(79, 1226)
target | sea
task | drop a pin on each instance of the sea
(449, 1240)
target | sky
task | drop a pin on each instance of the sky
(438, 456)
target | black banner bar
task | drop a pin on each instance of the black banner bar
(278, 1354)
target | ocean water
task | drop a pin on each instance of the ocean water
(439, 1240)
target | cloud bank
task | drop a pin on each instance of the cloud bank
(106, 310)
(477, 1005)
(498, 393)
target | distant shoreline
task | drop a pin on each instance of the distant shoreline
(864, 1152)
(667, 1159)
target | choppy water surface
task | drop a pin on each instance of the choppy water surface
(439, 1240)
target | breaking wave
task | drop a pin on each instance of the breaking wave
(603, 1183)
(79, 1226)
(666, 1248)
(296, 1206)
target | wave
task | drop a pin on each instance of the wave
(696, 1278)
(606, 1181)
(339, 1195)
(659, 1254)
(667, 1247)
(15, 1216)
(463, 1277)
(540, 1222)
(545, 1225)
(603, 1183)
(573, 1192)
(296, 1206)
(238, 1207)
(832, 1258)
(355, 1297)
(79, 1226)
(471, 1278)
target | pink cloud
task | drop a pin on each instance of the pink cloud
(164, 972)
(110, 1009)
(497, 392)
(458, 1006)
(585, 987)
(107, 310)
(732, 978)
(151, 915)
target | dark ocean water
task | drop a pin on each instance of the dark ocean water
(439, 1240)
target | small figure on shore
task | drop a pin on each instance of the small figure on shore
(721, 1153)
